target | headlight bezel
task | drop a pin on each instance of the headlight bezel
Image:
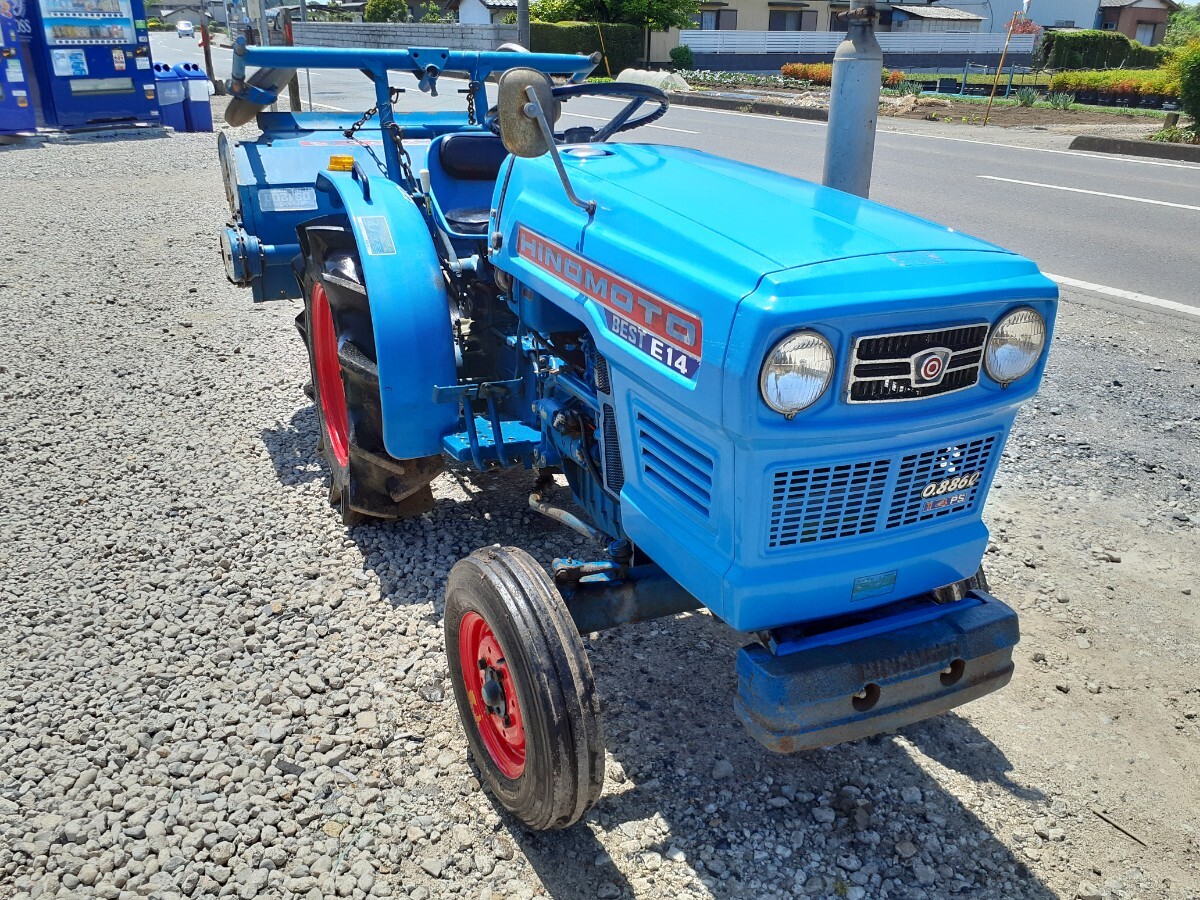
(1023, 309)
(766, 369)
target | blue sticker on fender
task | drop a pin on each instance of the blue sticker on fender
(656, 327)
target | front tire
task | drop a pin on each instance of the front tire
(365, 482)
(524, 688)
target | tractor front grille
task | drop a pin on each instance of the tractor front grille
(672, 467)
(614, 469)
(823, 502)
(832, 501)
(888, 367)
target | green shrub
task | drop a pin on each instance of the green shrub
(1093, 49)
(1026, 96)
(1189, 83)
(386, 11)
(906, 88)
(682, 57)
(1176, 136)
(1061, 100)
(623, 45)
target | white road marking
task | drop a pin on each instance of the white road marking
(1109, 157)
(327, 106)
(1073, 190)
(1124, 295)
(567, 112)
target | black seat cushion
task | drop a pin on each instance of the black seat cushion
(472, 157)
(468, 220)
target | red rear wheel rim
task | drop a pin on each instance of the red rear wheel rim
(329, 377)
(482, 661)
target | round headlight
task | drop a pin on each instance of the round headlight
(1015, 345)
(796, 372)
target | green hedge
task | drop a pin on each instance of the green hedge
(624, 45)
(1096, 50)
(1189, 83)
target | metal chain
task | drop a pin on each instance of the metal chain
(394, 95)
(472, 87)
(406, 172)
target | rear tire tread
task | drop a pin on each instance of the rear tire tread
(371, 485)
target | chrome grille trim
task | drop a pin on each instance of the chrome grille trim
(881, 366)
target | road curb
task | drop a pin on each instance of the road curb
(750, 105)
(1155, 149)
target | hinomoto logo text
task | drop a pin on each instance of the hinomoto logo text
(656, 327)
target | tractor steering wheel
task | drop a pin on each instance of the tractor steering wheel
(636, 94)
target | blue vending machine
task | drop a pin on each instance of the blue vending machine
(92, 60)
(16, 106)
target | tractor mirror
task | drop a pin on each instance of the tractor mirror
(522, 133)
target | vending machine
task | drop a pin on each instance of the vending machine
(16, 106)
(92, 61)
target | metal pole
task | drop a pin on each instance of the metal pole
(523, 23)
(206, 39)
(854, 105)
(307, 72)
(995, 81)
(294, 84)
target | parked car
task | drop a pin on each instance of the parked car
(184, 28)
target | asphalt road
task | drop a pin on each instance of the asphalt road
(1118, 224)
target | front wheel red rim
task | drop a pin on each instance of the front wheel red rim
(329, 377)
(492, 695)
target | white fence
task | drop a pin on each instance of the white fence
(827, 42)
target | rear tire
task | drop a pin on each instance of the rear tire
(365, 483)
(524, 688)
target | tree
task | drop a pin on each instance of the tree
(432, 14)
(1183, 27)
(656, 15)
(386, 11)
(552, 11)
(1022, 25)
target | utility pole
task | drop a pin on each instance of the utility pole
(854, 105)
(523, 23)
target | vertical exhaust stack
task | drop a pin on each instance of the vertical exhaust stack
(854, 106)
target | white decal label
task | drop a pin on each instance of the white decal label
(378, 235)
(294, 199)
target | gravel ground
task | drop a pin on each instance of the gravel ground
(210, 688)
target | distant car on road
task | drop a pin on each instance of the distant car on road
(184, 28)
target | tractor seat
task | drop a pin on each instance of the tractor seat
(468, 220)
(470, 157)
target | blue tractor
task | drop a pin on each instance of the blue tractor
(768, 398)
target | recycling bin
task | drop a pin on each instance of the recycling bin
(197, 108)
(171, 91)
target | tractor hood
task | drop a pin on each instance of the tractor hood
(805, 222)
(679, 239)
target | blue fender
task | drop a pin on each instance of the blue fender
(410, 311)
